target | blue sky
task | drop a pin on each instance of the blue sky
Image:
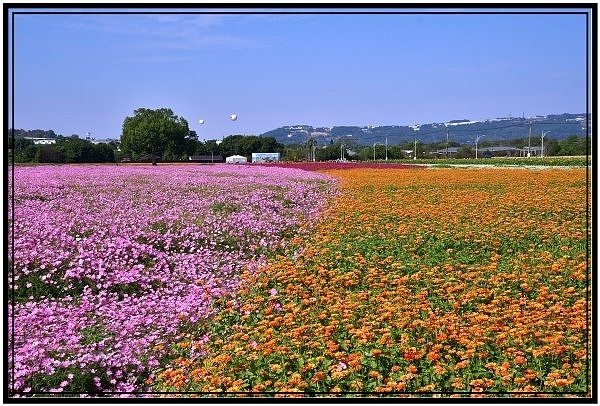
(87, 72)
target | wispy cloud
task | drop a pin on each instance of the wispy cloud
(164, 31)
(141, 24)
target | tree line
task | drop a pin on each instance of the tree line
(159, 135)
(64, 150)
(349, 149)
(77, 150)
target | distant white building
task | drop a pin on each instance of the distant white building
(41, 141)
(261, 157)
(236, 159)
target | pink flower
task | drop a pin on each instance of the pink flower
(122, 240)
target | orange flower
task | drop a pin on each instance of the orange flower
(500, 289)
(433, 356)
(374, 374)
(356, 386)
(354, 364)
(462, 364)
(296, 380)
(318, 376)
(400, 386)
(438, 369)
(411, 354)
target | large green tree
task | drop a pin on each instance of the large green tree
(75, 149)
(155, 133)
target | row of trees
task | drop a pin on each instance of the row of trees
(155, 135)
(350, 149)
(76, 150)
(64, 150)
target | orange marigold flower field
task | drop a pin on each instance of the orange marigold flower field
(468, 282)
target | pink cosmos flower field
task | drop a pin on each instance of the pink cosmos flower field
(110, 265)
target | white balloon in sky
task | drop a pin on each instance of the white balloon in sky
(233, 117)
(201, 121)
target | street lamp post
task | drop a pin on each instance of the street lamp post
(232, 117)
(529, 142)
(415, 157)
(342, 157)
(447, 133)
(374, 144)
(310, 145)
(476, 141)
(386, 145)
(543, 135)
(218, 142)
(212, 153)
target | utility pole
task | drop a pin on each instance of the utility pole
(415, 157)
(529, 146)
(447, 131)
(543, 135)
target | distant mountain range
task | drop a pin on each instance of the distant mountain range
(556, 126)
